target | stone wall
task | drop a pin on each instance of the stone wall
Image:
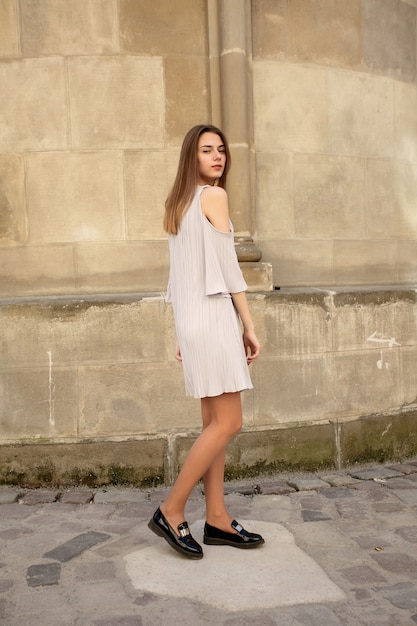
(96, 383)
(319, 100)
(97, 95)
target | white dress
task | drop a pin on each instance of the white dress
(204, 271)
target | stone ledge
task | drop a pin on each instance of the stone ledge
(144, 463)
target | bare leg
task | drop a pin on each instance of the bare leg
(206, 455)
(216, 513)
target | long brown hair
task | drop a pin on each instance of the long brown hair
(187, 177)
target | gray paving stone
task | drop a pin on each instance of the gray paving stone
(400, 483)
(132, 620)
(5, 585)
(409, 533)
(337, 492)
(307, 484)
(314, 516)
(253, 620)
(114, 496)
(8, 496)
(362, 574)
(337, 480)
(102, 570)
(275, 489)
(375, 473)
(74, 547)
(414, 618)
(316, 615)
(402, 595)
(43, 575)
(404, 468)
(39, 496)
(77, 497)
(14, 511)
(397, 563)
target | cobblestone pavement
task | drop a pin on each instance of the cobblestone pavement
(63, 552)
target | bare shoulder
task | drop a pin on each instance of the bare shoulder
(215, 207)
(214, 193)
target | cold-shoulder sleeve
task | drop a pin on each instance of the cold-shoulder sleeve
(222, 272)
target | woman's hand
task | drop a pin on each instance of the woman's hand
(252, 346)
(178, 353)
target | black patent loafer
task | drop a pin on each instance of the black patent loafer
(185, 544)
(241, 539)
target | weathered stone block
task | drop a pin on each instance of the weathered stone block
(36, 269)
(270, 26)
(76, 546)
(405, 120)
(36, 117)
(379, 438)
(274, 195)
(295, 324)
(407, 266)
(67, 28)
(83, 332)
(43, 575)
(297, 262)
(148, 28)
(366, 262)
(106, 95)
(40, 403)
(122, 267)
(185, 106)
(258, 276)
(75, 197)
(325, 33)
(9, 41)
(329, 197)
(149, 176)
(391, 215)
(389, 38)
(374, 319)
(361, 113)
(295, 389)
(13, 227)
(291, 108)
(134, 399)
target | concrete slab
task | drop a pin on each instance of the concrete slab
(277, 574)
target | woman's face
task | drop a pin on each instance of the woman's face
(211, 156)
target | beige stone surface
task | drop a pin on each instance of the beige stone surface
(150, 28)
(361, 114)
(389, 36)
(405, 120)
(185, 104)
(325, 32)
(299, 262)
(35, 118)
(258, 276)
(116, 102)
(132, 398)
(392, 193)
(407, 262)
(364, 325)
(9, 35)
(295, 326)
(149, 176)
(37, 269)
(274, 195)
(290, 107)
(329, 196)
(270, 26)
(122, 267)
(38, 403)
(13, 222)
(365, 262)
(75, 196)
(68, 28)
(133, 333)
(409, 380)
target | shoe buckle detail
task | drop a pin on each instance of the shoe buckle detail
(238, 528)
(183, 529)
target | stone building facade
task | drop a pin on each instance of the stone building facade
(319, 102)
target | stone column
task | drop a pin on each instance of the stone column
(230, 57)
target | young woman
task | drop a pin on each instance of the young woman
(207, 291)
